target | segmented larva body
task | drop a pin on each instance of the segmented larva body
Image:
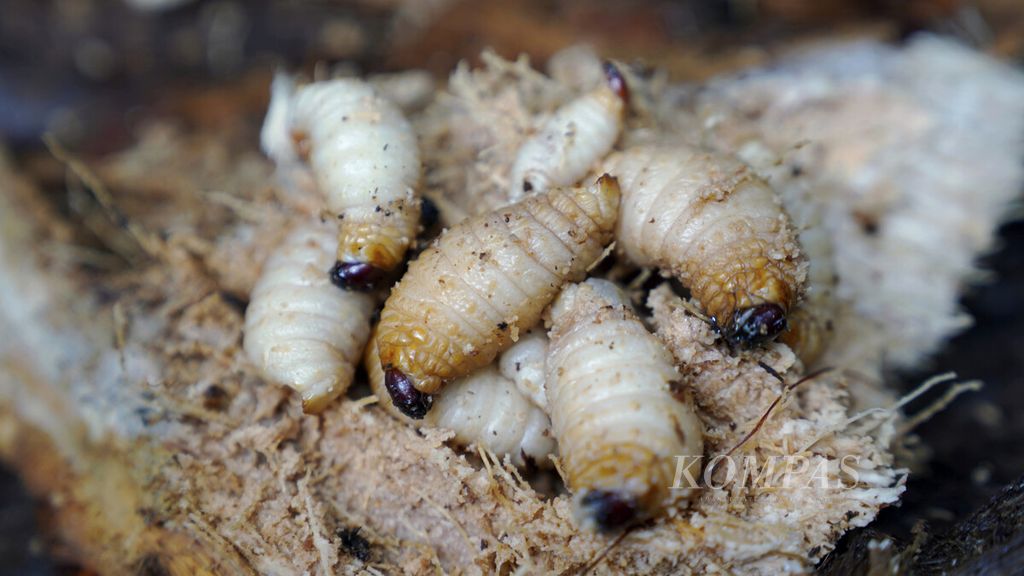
(619, 428)
(468, 295)
(365, 157)
(484, 408)
(300, 329)
(572, 141)
(710, 221)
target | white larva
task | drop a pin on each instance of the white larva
(616, 408)
(575, 138)
(707, 219)
(364, 155)
(300, 329)
(484, 408)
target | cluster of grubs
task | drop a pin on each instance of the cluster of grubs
(494, 330)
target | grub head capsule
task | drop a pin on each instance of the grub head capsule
(405, 396)
(610, 509)
(356, 275)
(757, 324)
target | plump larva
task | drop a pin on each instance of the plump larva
(575, 138)
(366, 161)
(619, 427)
(468, 295)
(484, 408)
(301, 330)
(708, 220)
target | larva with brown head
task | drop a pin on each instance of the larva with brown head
(707, 219)
(469, 294)
(576, 137)
(300, 329)
(485, 408)
(365, 158)
(610, 396)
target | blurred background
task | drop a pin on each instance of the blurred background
(92, 72)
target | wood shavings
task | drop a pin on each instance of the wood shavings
(767, 414)
(324, 547)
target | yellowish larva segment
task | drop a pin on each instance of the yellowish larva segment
(523, 364)
(710, 221)
(483, 408)
(610, 395)
(469, 295)
(366, 160)
(572, 141)
(301, 330)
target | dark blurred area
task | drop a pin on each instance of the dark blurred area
(975, 443)
(91, 71)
